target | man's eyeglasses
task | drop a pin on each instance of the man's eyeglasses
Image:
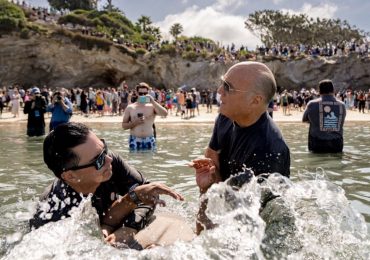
(142, 93)
(228, 87)
(98, 163)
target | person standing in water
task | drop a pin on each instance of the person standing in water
(326, 117)
(244, 135)
(139, 118)
(35, 108)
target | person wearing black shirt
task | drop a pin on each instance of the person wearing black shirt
(35, 108)
(326, 117)
(124, 200)
(245, 139)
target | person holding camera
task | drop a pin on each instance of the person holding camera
(35, 107)
(139, 118)
(61, 109)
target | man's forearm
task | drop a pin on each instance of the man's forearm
(128, 125)
(203, 222)
(119, 209)
(159, 110)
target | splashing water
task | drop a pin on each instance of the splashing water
(310, 219)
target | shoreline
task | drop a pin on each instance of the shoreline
(204, 117)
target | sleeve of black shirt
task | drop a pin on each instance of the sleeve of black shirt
(214, 143)
(305, 114)
(124, 173)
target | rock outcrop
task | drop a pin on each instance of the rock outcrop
(57, 62)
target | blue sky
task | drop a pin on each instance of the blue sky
(223, 20)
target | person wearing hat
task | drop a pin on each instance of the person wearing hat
(139, 118)
(326, 117)
(35, 107)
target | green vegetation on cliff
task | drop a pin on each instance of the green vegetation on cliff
(12, 18)
(111, 24)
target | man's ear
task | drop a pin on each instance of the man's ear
(257, 99)
(68, 176)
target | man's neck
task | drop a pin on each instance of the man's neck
(249, 120)
(81, 189)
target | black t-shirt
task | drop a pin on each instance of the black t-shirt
(260, 147)
(326, 117)
(59, 198)
(36, 114)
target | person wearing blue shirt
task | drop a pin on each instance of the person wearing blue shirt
(61, 109)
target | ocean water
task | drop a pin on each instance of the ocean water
(322, 212)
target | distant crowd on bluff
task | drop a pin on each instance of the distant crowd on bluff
(229, 53)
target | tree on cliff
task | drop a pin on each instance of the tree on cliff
(111, 8)
(144, 23)
(148, 31)
(176, 29)
(273, 27)
(73, 4)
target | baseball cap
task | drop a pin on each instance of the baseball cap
(35, 90)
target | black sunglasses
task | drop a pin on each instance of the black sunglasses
(228, 87)
(142, 93)
(98, 163)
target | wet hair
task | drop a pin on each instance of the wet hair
(58, 145)
(326, 87)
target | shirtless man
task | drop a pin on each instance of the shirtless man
(139, 118)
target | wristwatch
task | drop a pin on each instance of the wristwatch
(133, 196)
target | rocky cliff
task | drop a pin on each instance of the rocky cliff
(57, 62)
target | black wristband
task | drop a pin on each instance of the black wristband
(133, 196)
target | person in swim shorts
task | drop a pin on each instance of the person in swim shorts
(139, 118)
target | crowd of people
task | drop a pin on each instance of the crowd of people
(183, 102)
(225, 54)
(245, 142)
(112, 101)
(294, 100)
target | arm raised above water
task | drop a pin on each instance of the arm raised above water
(207, 173)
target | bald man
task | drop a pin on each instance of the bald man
(244, 135)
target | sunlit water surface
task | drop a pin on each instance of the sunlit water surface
(323, 211)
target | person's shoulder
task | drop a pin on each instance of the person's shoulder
(221, 117)
(340, 102)
(54, 188)
(131, 106)
(314, 101)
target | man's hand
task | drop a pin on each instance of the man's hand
(138, 121)
(149, 193)
(121, 235)
(205, 171)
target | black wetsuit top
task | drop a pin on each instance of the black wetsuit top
(60, 198)
(259, 147)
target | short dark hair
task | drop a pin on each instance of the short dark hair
(142, 85)
(326, 87)
(58, 145)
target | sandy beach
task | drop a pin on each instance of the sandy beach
(204, 117)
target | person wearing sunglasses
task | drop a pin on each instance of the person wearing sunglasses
(139, 118)
(244, 135)
(83, 165)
